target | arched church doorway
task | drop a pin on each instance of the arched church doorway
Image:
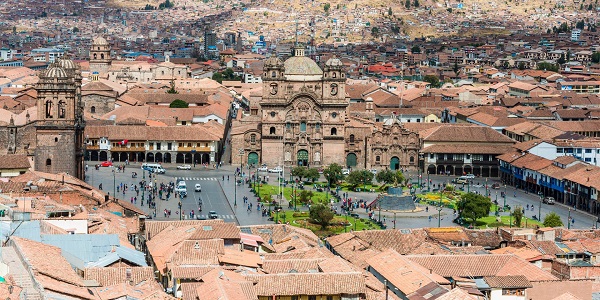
(302, 157)
(394, 163)
(253, 159)
(351, 160)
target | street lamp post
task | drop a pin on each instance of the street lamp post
(114, 183)
(394, 220)
(235, 190)
(440, 209)
(540, 208)
(428, 185)
(569, 219)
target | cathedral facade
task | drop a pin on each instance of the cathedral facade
(302, 119)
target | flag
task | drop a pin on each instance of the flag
(123, 142)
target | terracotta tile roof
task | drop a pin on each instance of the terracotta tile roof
(481, 265)
(51, 285)
(154, 227)
(204, 252)
(115, 275)
(14, 161)
(588, 176)
(403, 273)
(37, 255)
(236, 257)
(525, 253)
(566, 296)
(189, 290)
(149, 289)
(465, 133)
(291, 265)
(145, 133)
(190, 272)
(507, 282)
(337, 264)
(457, 294)
(447, 234)
(304, 284)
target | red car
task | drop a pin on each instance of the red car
(106, 164)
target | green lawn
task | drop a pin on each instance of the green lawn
(300, 219)
(273, 190)
(490, 221)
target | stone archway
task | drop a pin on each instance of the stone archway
(167, 158)
(94, 155)
(179, 158)
(150, 157)
(187, 158)
(102, 156)
(114, 156)
(253, 159)
(158, 157)
(205, 158)
(431, 169)
(351, 160)
(441, 170)
(123, 156)
(394, 163)
(302, 157)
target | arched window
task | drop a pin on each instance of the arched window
(303, 127)
(352, 138)
(102, 56)
(163, 72)
(272, 130)
(273, 74)
(62, 111)
(333, 75)
(333, 131)
(98, 48)
(412, 160)
(56, 140)
(48, 162)
(377, 158)
(253, 138)
(96, 55)
(48, 109)
(93, 109)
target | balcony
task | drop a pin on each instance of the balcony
(126, 149)
(192, 149)
(551, 186)
(92, 147)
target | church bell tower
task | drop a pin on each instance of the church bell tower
(60, 125)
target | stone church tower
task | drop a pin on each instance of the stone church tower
(60, 125)
(100, 60)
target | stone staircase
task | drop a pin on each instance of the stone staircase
(20, 274)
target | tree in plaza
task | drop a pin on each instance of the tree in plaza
(320, 214)
(359, 177)
(407, 4)
(415, 49)
(547, 66)
(177, 103)
(299, 172)
(312, 174)
(305, 196)
(561, 60)
(473, 206)
(596, 57)
(552, 220)
(333, 174)
(517, 215)
(326, 7)
(390, 177)
(390, 11)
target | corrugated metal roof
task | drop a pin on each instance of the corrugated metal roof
(28, 229)
(86, 247)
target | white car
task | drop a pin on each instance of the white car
(263, 168)
(276, 170)
(198, 187)
(470, 176)
(345, 171)
(184, 167)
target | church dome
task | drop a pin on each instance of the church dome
(334, 62)
(99, 41)
(302, 65)
(55, 72)
(67, 64)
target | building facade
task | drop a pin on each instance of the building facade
(60, 125)
(302, 119)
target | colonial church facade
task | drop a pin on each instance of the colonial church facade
(302, 119)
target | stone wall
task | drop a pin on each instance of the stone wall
(59, 147)
(21, 140)
(102, 104)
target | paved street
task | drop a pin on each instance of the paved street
(219, 194)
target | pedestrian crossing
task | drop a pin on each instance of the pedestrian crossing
(223, 217)
(197, 178)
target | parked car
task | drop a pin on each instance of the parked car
(276, 170)
(470, 176)
(198, 187)
(263, 168)
(460, 180)
(345, 171)
(496, 186)
(548, 200)
(106, 164)
(184, 167)
(213, 215)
